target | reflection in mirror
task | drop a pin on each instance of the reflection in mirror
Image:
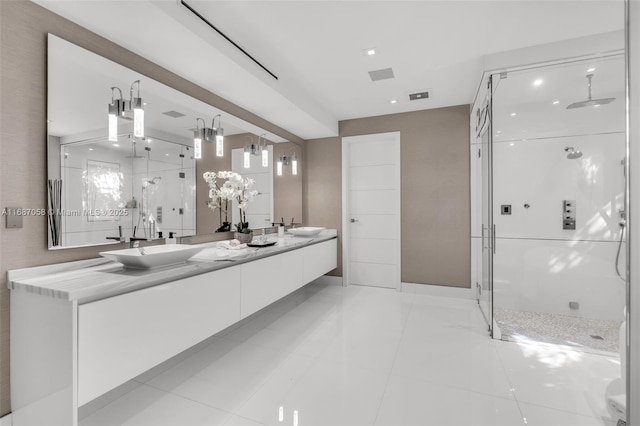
(143, 185)
(286, 202)
(259, 212)
(136, 189)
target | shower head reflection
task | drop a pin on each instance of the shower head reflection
(572, 153)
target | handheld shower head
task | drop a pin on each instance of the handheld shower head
(572, 153)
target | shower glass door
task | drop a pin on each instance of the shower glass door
(557, 190)
(485, 291)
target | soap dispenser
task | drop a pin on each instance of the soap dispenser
(171, 239)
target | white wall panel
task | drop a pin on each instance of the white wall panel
(538, 173)
(545, 275)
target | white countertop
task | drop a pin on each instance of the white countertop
(95, 279)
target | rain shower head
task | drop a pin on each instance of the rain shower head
(153, 181)
(589, 101)
(134, 153)
(572, 153)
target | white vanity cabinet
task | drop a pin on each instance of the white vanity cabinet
(65, 353)
(123, 336)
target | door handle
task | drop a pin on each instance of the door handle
(354, 220)
(494, 239)
(482, 232)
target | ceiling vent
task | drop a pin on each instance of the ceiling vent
(382, 74)
(174, 114)
(418, 96)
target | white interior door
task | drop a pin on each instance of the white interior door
(371, 209)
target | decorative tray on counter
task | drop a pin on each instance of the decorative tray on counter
(272, 243)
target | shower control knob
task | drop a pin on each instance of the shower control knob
(526, 206)
(354, 220)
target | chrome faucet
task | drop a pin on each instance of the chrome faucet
(120, 238)
(134, 242)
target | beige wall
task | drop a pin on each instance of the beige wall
(322, 183)
(23, 160)
(436, 221)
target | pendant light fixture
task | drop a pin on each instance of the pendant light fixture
(285, 160)
(294, 164)
(198, 135)
(261, 149)
(135, 103)
(210, 134)
(118, 108)
(216, 134)
(265, 150)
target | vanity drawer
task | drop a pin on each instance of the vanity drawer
(266, 280)
(320, 259)
(123, 336)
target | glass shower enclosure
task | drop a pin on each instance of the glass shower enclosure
(557, 197)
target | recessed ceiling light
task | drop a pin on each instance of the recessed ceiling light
(370, 51)
(393, 101)
(596, 105)
(116, 144)
(538, 82)
(90, 149)
(513, 114)
(167, 155)
(591, 70)
(556, 102)
(511, 144)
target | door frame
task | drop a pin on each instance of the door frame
(346, 230)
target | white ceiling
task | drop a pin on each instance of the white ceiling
(316, 48)
(79, 83)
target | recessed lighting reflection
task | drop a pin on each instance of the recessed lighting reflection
(90, 149)
(370, 51)
(596, 105)
(166, 155)
(538, 82)
(591, 70)
(513, 114)
(556, 102)
(116, 144)
(393, 101)
(511, 144)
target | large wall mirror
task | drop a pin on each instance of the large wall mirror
(105, 183)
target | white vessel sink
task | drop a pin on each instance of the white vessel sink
(306, 231)
(154, 256)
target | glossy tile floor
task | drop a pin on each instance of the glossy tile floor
(330, 355)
